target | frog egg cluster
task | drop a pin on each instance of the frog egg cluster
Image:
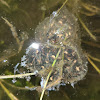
(56, 34)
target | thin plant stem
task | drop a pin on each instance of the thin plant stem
(62, 6)
(88, 13)
(55, 82)
(13, 86)
(90, 8)
(13, 30)
(49, 74)
(85, 27)
(10, 95)
(96, 59)
(5, 3)
(15, 76)
(92, 44)
(96, 68)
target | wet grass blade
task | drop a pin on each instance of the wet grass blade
(96, 68)
(5, 3)
(49, 74)
(91, 8)
(96, 59)
(13, 30)
(85, 27)
(13, 86)
(62, 6)
(10, 95)
(88, 13)
(15, 76)
(92, 44)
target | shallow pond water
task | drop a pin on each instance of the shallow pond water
(25, 16)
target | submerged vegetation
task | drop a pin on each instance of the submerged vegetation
(12, 45)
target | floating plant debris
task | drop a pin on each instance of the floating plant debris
(57, 32)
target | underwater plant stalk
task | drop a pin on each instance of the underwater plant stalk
(91, 8)
(16, 76)
(96, 59)
(96, 68)
(14, 32)
(91, 44)
(49, 74)
(13, 86)
(62, 6)
(85, 27)
(5, 3)
(10, 95)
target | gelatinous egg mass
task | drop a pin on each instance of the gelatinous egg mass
(55, 29)
(57, 34)
(74, 65)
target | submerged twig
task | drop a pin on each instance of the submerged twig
(14, 32)
(10, 95)
(20, 46)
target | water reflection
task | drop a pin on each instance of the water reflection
(34, 45)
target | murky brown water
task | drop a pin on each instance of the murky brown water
(25, 16)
